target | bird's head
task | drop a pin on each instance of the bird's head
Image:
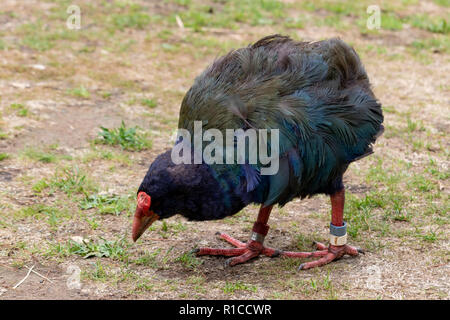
(144, 216)
(187, 189)
(154, 197)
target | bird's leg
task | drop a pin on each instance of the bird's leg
(338, 236)
(245, 251)
(254, 247)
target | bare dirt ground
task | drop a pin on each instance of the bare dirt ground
(131, 61)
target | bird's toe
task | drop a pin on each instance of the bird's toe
(277, 253)
(227, 262)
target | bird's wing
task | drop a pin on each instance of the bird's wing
(316, 94)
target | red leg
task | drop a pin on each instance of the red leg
(245, 251)
(220, 252)
(254, 247)
(231, 240)
(334, 252)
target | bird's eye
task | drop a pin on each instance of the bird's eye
(156, 203)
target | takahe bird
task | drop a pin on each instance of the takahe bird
(318, 96)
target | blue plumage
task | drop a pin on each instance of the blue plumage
(317, 94)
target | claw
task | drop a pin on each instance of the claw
(360, 250)
(194, 251)
(277, 253)
(300, 267)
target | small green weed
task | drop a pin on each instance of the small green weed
(232, 287)
(106, 204)
(148, 259)
(39, 155)
(20, 109)
(189, 260)
(117, 249)
(151, 103)
(80, 92)
(127, 138)
(72, 180)
(40, 211)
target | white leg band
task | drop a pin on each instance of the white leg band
(257, 237)
(338, 240)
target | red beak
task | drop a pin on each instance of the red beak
(143, 217)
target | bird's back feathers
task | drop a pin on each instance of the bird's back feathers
(316, 93)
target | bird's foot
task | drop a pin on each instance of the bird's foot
(251, 249)
(327, 254)
(242, 253)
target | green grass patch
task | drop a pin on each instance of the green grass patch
(422, 184)
(127, 138)
(19, 109)
(97, 153)
(107, 204)
(149, 259)
(344, 8)
(144, 285)
(92, 223)
(113, 249)
(391, 21)
(438, 44)
(189, 260)
(430, 236)
(4, 136)
(432, 24)
(98, 274)
(79, 92)
(40, 186)
(433, 169)
(71, 180)
(37, 42)
(169, 229)
(165, 34)
(232, 13)
(305, 243)
(39, 155)
(42, 37)
(151, 103)
(370, 212)
(334, 21)
(4, 156)
(53, 215)
(294, 23)
(134, 20)
(232, 287)
(444, 3)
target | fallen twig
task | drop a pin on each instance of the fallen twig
(439, 265)
(4, 265)
(29, 271)
(162, 239)
(40, 275)
(179, 22)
